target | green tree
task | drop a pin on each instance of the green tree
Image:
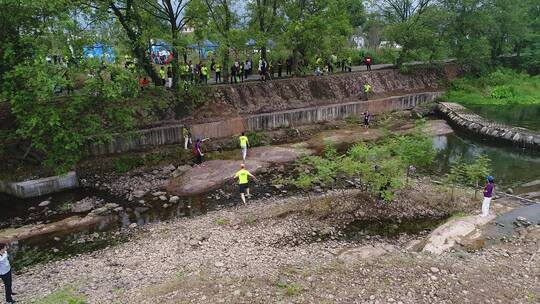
(172, 12)
(314, 28)
(265, 21)
(410, 24)
(58, 127)
(477, 171)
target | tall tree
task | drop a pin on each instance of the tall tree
(409, 26)
(219, 20)
(265, 20)
(173, 12)
(129, 13)
(314, 28)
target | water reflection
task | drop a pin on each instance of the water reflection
(509, 166)
(525, 116)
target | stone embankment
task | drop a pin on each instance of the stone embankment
(230, 127)
(39, 187)
(472, 123)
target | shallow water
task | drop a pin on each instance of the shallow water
(525, 116)
(510, 167)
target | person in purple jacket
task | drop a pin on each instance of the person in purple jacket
(488, 193)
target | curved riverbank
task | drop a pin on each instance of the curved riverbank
(460, 117)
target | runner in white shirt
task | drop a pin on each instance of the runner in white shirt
(5, 272)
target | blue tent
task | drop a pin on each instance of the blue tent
(101, 51)
(160, 52)
(205, 47)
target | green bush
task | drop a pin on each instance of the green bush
(127, 163)
(502, 92)
(257, 138)
(66, 295)
(503, 86)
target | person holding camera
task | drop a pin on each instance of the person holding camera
(5, 272)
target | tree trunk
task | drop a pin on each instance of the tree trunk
(176, 60)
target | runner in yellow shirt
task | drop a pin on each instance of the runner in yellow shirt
(243, 181)
(244, 144)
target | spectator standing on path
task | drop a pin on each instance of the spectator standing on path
(162, 75)
(242, 72)
(367, 62)
(249, 67)
(243, 182)
(169, 78)
(204, 74)
(244, 144)
(263, 68)
(217, 67)
(144, 83)
(366, 89)
(187, 137)
(349, 64)
(233, 73)
(5, 272)
(198, 150)
(191, 71)
(367, 119)
(488, 194)
(279, 68)
(288, 64)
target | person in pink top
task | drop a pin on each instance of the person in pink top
(488, 194)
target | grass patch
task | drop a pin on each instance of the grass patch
(504, 86)
(222, 221)
(250, 219)
(127, 163)
(457, 215)
(65, 295)
(352, 120)
(290, 289)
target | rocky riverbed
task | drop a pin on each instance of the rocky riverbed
(290, 250)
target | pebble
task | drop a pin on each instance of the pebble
(133, 225)
(44, 203)
(434, 269)
(219, 264)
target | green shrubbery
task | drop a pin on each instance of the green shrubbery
(503, 86)
(381, 167)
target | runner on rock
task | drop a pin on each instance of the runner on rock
(243, 182)
(244, 144)
(198, 150)
(367, 119)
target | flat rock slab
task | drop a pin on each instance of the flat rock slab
(210, 175)
(447, 235)
(29, 231)
(438, 127)
(279, 155)
(344, 136)
(357, 254)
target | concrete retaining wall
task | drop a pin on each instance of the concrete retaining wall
(172, 134)
(41, 186)
(464, 119)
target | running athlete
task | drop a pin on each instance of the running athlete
(367, 119)
(243, 182)
(244, 144)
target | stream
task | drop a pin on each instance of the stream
(511, 168)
